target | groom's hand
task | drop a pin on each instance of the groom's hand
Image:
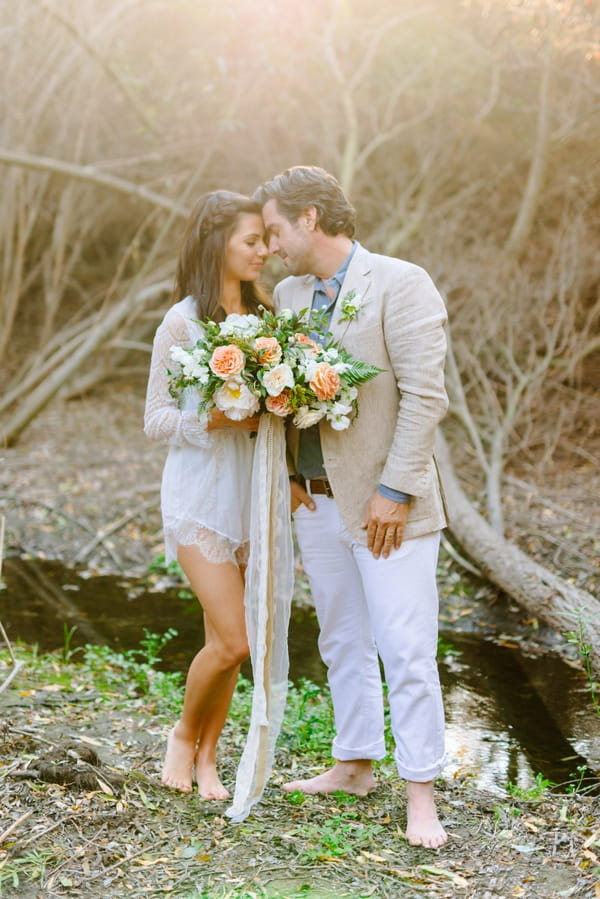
(384, 523)
(299, 497)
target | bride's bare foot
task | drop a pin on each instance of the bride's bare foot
(209, 783)
(179, 760)
(422, 826)
(354, 777)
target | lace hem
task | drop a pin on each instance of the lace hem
(214, 547)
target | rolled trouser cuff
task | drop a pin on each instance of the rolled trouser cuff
(421, 775)
(375, 751)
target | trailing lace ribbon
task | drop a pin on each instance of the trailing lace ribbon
(268, 597)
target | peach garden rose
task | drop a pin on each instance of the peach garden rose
(268, 350)
(226, 361)
(308, 342)
(279, 405)
(325, 381)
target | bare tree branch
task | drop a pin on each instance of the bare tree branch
(93, 176)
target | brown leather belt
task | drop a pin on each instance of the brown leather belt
(319, 485)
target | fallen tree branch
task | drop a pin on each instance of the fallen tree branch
(542, 593)
(106, 531)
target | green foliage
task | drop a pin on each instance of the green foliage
(577, 785)
(308, 723)
(585, 650)
(529, 794)
(337, 837)
(158, 565)
(138, 665)
(67, 652)
(26, 869)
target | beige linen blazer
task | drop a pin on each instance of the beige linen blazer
(400, 328)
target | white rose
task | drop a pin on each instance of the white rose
(179, 354)
(285, 314)
(235, 400)
(197, 372)
(340, 423)
(278, 378)
(306, 417)
(307, 366)
(240, 324)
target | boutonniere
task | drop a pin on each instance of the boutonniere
(350, 306)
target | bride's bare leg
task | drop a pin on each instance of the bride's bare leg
(212, 674)
(205, 761)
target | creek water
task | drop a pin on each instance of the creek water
(510, 715)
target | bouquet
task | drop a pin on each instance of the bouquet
(285, 363)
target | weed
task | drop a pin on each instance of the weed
(446, 648)
(308, 723)
(158, 565)
(577, 638)
(337, 837)
(138, 666)
(583, 781)
(28, 868)
(530, 794)
(67, 652)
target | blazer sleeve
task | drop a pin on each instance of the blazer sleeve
(414, 319)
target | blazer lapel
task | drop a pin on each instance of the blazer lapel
(358, 279)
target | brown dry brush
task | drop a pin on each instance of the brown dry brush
(464, 136)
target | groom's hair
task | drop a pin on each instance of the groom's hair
(308, 185)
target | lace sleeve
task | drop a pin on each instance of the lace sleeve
(164, 421)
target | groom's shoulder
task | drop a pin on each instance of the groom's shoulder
(293, 283)
(392, 264)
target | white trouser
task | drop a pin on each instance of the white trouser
(366, 607)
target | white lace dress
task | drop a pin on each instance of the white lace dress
(205, 492)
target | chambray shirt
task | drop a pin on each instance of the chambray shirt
(310, 455)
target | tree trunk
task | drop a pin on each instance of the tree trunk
(543, 594)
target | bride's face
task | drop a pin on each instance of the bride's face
(246, 250)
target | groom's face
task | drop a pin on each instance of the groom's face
(292, 241)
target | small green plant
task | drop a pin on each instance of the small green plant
(577, 638)
(67, 651)
(27, 869)
(530, 794)
(159, 565)
(153, 644)
(308, 723)
(446, 648)
(138, 666)
(576, 784)
(339, 836)
(296, 797)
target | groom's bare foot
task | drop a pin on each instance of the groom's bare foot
(423, 827)
(209, 783)
(179, 760)
(354, 777)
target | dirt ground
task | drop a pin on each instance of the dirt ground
(82, 814)
(82, 486)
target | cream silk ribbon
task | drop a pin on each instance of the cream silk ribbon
(268, 597)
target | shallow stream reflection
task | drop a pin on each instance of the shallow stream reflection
(509, 716)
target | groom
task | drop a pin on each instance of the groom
(367, 502)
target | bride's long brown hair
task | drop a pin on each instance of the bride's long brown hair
(201, 263)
